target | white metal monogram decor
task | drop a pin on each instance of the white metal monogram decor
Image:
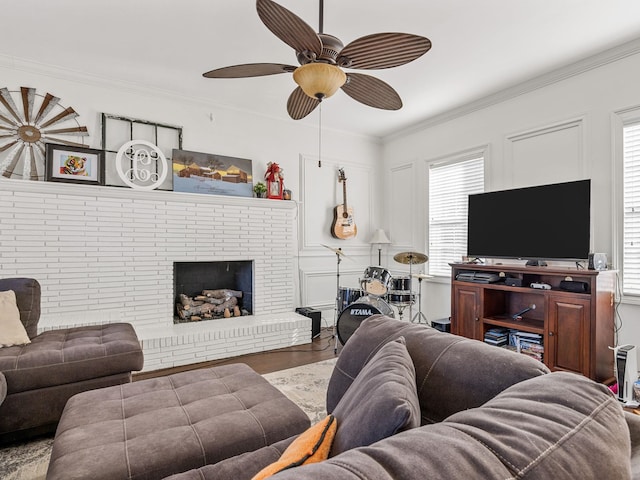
(141, 165)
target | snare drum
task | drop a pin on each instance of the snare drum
(401, 299)
(352, 316)
(401, 284)
(347, 296)
(376, 280)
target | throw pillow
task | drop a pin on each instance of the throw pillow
(311, 446)
(12, 331)
(381, 401)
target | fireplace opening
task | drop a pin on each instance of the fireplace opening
(211, 290)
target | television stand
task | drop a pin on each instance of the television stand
(536, 263)
(475, 261)
(575, 330)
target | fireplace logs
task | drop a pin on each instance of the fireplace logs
(209, 305)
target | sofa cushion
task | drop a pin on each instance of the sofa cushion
(12, 331)
(633, 423)
(28, 293)
(453, 374)
(562, 425)
(240, 467)
(311, 446)
(157, 427)
(70, 355)
(381, 402)
(556, 426)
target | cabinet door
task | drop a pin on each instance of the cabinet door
(568, 346)
(466, 318)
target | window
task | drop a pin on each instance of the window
(631, 209)
(450, 183)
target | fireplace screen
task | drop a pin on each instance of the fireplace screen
(210, 290)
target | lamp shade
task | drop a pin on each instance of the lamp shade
(379, 237)
(319, 80)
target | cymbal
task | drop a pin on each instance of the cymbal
(421, 275)
(337, 251)
(412, 258)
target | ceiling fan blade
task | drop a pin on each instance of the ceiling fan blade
(288, 27)
(372, 91)
(300, 104)
(383, 50)
(249, 70)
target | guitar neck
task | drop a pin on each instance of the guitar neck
(344, 194)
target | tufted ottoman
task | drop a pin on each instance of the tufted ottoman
(161, 426)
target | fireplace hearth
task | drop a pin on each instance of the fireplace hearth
(211, 290)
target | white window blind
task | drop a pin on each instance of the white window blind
(449, 187)
(631, 210)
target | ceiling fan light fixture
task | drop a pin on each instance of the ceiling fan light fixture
(319, 80)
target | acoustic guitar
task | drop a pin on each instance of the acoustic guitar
(343, 226)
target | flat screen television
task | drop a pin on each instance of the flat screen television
(546, 222)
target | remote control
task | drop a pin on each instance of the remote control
(542, 286)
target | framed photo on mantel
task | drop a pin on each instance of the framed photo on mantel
(74, 164)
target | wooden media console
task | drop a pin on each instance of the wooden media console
(577, 328)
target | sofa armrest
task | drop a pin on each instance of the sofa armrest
(453, 373)
(28, 294)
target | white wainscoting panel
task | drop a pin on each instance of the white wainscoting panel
(549, 154)
(401, 210)
(321, 192)
(320, 288)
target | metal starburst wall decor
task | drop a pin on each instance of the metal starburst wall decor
(25, 131)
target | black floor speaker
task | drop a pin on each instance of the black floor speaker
(315, 316)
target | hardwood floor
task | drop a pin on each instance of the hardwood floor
(320, 348)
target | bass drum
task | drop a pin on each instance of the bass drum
(352, 316)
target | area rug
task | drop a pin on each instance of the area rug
(305, 385)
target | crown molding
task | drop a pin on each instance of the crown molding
(579, 67)
(67, 74)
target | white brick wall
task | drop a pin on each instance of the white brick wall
(106, 254)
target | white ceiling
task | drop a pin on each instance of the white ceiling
(479, 47)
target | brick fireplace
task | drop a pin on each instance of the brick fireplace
(107, 254)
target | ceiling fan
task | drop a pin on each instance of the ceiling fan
(322, 58)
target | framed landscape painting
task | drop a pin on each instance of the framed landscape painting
(195, 172)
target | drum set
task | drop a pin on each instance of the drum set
(378, 291)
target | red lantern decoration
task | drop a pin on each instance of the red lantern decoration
(275, 181)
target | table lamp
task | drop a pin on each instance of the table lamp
(379, 238)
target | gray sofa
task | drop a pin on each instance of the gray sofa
(38, 378)
(485, 413)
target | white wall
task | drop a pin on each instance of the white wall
(294, 145)
(552, 129)
(572, 107)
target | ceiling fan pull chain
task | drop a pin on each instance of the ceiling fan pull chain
(320, 136)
